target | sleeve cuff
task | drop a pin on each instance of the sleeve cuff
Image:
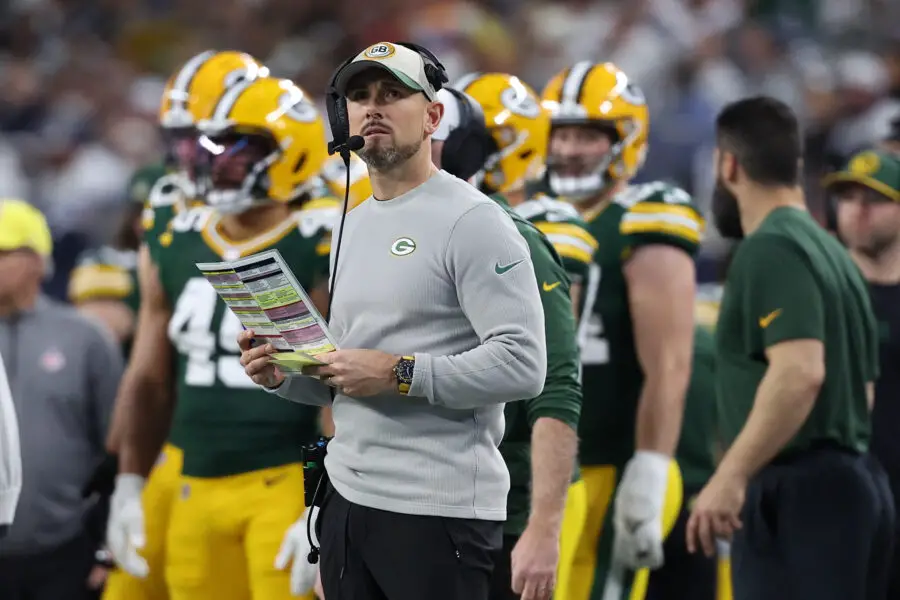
(421, 377)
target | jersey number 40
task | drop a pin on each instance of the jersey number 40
(211, 356)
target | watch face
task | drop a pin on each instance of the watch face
(405, 370)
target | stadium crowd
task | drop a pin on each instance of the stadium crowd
(89, 134)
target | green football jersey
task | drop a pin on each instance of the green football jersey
(169, 196)
(561, 397)
(106, 273)
(224, 423)
(648, 214)
(569, 234)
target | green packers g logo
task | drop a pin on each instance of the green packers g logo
(403, 246)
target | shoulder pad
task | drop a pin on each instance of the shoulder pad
(318, 216)
(656, 191)
(550, 208)
(169, 190)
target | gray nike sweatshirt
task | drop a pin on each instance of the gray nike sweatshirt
(442, 274)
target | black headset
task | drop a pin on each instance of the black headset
(336, 103)
(467, 147)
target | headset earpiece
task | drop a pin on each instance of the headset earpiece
(468, 146)
(435, 72)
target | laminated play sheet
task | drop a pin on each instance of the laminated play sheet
(265, 296)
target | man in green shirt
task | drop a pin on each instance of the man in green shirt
(796, 342)
(540, 441)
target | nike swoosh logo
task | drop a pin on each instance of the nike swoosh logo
(269, 481)
(500, 270)
(549, 287)
(767, 320)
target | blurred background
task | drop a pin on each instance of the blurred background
(81, 79)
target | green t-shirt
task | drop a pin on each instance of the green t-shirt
(791, 280)
(561, 397)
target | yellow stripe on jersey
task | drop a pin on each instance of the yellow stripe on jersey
(651, 217)
(99, 282)
(568, 229)
(572, 252)
(570, 241)
(323, 248)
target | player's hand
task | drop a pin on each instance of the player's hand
(716, 513)
(637, 519)
(294, 551)
(125, 528)
(357, 373)
(256, 362)
(535, 559)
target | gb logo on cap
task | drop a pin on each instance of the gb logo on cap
(380, 50)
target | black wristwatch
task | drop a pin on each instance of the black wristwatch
(403, 371)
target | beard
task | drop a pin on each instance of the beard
(726, 213)
(385, 158)
(876, 245)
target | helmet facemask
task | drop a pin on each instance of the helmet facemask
(583, 181)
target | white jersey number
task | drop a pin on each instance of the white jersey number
(594, 347)
(190, 330)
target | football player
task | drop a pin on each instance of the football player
(638, 324)
(519, 129)
(241, 483)
(104, 283)
(190, 92)
(540, 442)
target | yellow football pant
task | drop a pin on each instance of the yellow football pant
(575, 515)
(600, 486)
(157, 502)
(225, 532)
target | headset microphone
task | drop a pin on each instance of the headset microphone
(353, 143)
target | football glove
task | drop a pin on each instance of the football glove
(125, 529)
(295, 549)
(638, 510)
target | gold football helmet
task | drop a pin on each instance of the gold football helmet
(518, 124)
(598, 94)
(265, 141)
(192, 91)
(334, 174)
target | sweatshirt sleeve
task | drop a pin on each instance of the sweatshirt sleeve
(489, 263)
(303, 390)
(10, 453)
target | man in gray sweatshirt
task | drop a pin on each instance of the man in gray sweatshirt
(439, 321)
(62, 371)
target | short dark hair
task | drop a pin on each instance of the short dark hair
(764, 136)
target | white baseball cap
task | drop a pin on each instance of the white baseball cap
(405, 64)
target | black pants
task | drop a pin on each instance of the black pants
(816, 527)
(370, 554)
(501, 580)
(894, 577)
(59, 574)
(683, 576)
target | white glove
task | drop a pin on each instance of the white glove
(295, 549)
(125, 528)
(638, 511)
